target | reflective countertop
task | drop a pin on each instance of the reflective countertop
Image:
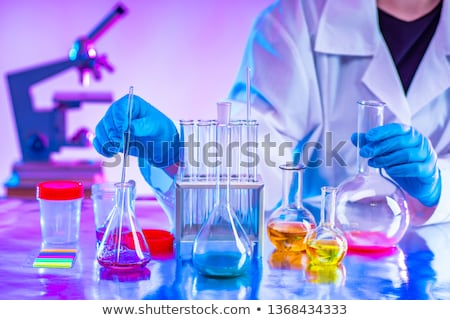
(418, 269)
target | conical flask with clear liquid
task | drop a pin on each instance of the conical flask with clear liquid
(123, 246)
(326, 244)
(371, 209)
(288, 225)
(222, 247)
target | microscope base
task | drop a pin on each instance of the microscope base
(26, 175)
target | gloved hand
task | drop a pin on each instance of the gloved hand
(407, 156)
(154, 137)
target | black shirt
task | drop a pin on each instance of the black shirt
(408, 41)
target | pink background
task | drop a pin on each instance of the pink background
(181, 55)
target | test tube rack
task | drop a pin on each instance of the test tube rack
(195, 199)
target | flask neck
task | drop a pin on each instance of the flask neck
(124, 194)
(370, 115)
(292, 186)
(223, 161)
(328, 207)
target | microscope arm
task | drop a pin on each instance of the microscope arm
(42, 132)
(20, 84)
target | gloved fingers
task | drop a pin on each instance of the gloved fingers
(116, 118)
(107, 149)
(105, 142)
(386, 131)
(115, 121)
(421, 171)
(153, 128)
(392, 144)
(361, 137)
(401, 156)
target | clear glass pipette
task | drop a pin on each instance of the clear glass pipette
(126, 148)
(127, 133)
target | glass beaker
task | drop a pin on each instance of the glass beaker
(222, 247)
(326, 245)
(288, 225)
(371, 209)
(123, 246)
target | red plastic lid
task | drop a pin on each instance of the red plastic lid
(159, 241)
(59, 190)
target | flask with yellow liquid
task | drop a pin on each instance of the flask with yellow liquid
(326, 245)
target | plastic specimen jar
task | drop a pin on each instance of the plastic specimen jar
(371, 209)
(103, 199)
(60, 209)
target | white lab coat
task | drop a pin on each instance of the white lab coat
(312, 61)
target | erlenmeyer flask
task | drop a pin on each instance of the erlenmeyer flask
(371, 210)
(123, 246)
(288, 225)
(326, 245)
(222, 247)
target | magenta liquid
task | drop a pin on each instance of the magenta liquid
(369, 242)
(128, 258)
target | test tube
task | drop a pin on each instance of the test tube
(186, 172)
(205, 141)
(187, 137)
(250, 150)
(234, 149)
(205, 134)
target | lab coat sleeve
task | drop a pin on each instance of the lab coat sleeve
(164, 188)
(442, 212)
(284, 90)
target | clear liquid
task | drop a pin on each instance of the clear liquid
(327, 252)
(127, 240)
(288, 235)
(222, 264)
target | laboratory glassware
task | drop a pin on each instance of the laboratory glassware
(123, 246)
(288, 225)
(326, 245)
(371, 209)
(195, 189)
(222, 248)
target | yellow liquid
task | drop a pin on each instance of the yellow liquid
(288, 236)
(325, 252)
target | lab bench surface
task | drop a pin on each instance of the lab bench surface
(418, 269)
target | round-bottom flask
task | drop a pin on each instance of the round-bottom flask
(371, 210)
(326, 245)
(288, 225)
(123, 246)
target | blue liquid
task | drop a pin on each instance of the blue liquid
(221, 264)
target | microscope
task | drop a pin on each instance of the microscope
(42, 133)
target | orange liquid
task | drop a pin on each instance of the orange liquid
(288, 236)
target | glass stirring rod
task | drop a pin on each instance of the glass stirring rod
(126, 147)
(127, 134)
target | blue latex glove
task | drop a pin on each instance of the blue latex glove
(407, 156)
(154, 137)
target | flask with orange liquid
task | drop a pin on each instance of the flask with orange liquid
(288, 225)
